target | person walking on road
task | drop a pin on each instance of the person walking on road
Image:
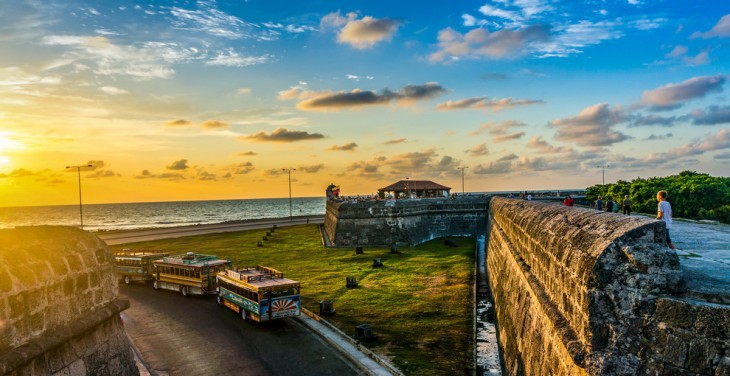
(664, 213)
(627, 205)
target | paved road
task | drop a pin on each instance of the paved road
(133, 236)
(194, 336)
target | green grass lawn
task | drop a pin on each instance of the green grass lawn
(419, 303)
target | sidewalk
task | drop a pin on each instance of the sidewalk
(704, 256)
(362, 357)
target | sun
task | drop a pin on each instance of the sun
(7, 143)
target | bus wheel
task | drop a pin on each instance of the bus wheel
(155, 285)
(127, 280)
(184, 290)
(219, 300)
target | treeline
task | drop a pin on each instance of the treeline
(692, 195)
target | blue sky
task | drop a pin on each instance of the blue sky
(175, 100)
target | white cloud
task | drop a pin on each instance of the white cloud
(592, 127)
(711, 142)
(470, 20)
(572, 38)
(674, 95)
(491, 11)
(480, 43)
(720, 30)
(144, 61)
(111, 90)
(492, 104)
(648, 24)
(231, 58)
(366, 32)
(214, 22)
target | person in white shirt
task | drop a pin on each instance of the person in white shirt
(664, 213)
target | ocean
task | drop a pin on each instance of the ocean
(104, 217)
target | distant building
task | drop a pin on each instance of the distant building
(414, 189)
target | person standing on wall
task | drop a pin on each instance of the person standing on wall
(627, 205)
(664, 213)
(609, 204)
(599, 203)
(568, 201)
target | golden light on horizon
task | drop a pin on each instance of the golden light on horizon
(7, 143)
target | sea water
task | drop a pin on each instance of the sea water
(103, 217)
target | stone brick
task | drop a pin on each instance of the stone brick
(723, 368)
(675, 351)
(701, 354)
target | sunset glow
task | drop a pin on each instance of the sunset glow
(198, 100)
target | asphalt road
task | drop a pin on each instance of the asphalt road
(194, 336)
(132, 236)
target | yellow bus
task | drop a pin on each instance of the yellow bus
(190, 273)
(259, 293)
(136, 265)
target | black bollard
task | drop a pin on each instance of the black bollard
(358, 250)
(377, 263)
(326, 308)
(393, 249)
(364, 332)
(351, 282)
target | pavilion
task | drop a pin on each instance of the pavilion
(414, 189)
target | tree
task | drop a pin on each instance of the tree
(692, 194)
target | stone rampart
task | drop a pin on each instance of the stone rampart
(403, 222)
(578, 291)
(59, 312)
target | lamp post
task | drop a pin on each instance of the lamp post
(78, 171)
(288, 171)
(462, 178)
(603, 172)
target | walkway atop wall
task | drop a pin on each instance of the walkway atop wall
(704, 256)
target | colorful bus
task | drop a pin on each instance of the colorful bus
(191, 273)
(259, 293)
(136, 265)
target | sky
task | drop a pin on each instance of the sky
(206, 100)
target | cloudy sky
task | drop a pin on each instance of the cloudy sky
(190, 100)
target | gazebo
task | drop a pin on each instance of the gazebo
(414, 189)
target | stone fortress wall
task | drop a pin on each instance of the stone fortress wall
(578, 291)
(403, 222)
(59, 312)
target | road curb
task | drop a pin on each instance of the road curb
(364, 358)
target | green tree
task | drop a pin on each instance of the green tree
(692, 194)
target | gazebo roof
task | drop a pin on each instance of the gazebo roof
(417, 185)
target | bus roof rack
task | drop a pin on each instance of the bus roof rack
(189, 258)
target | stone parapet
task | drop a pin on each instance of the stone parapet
(577, 291)
(59, 311)
(403, 222)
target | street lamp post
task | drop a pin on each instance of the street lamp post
(603, 172)
(288, 171)
(81, 210)
(462, 178)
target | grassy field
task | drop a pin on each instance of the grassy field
(419, 303)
